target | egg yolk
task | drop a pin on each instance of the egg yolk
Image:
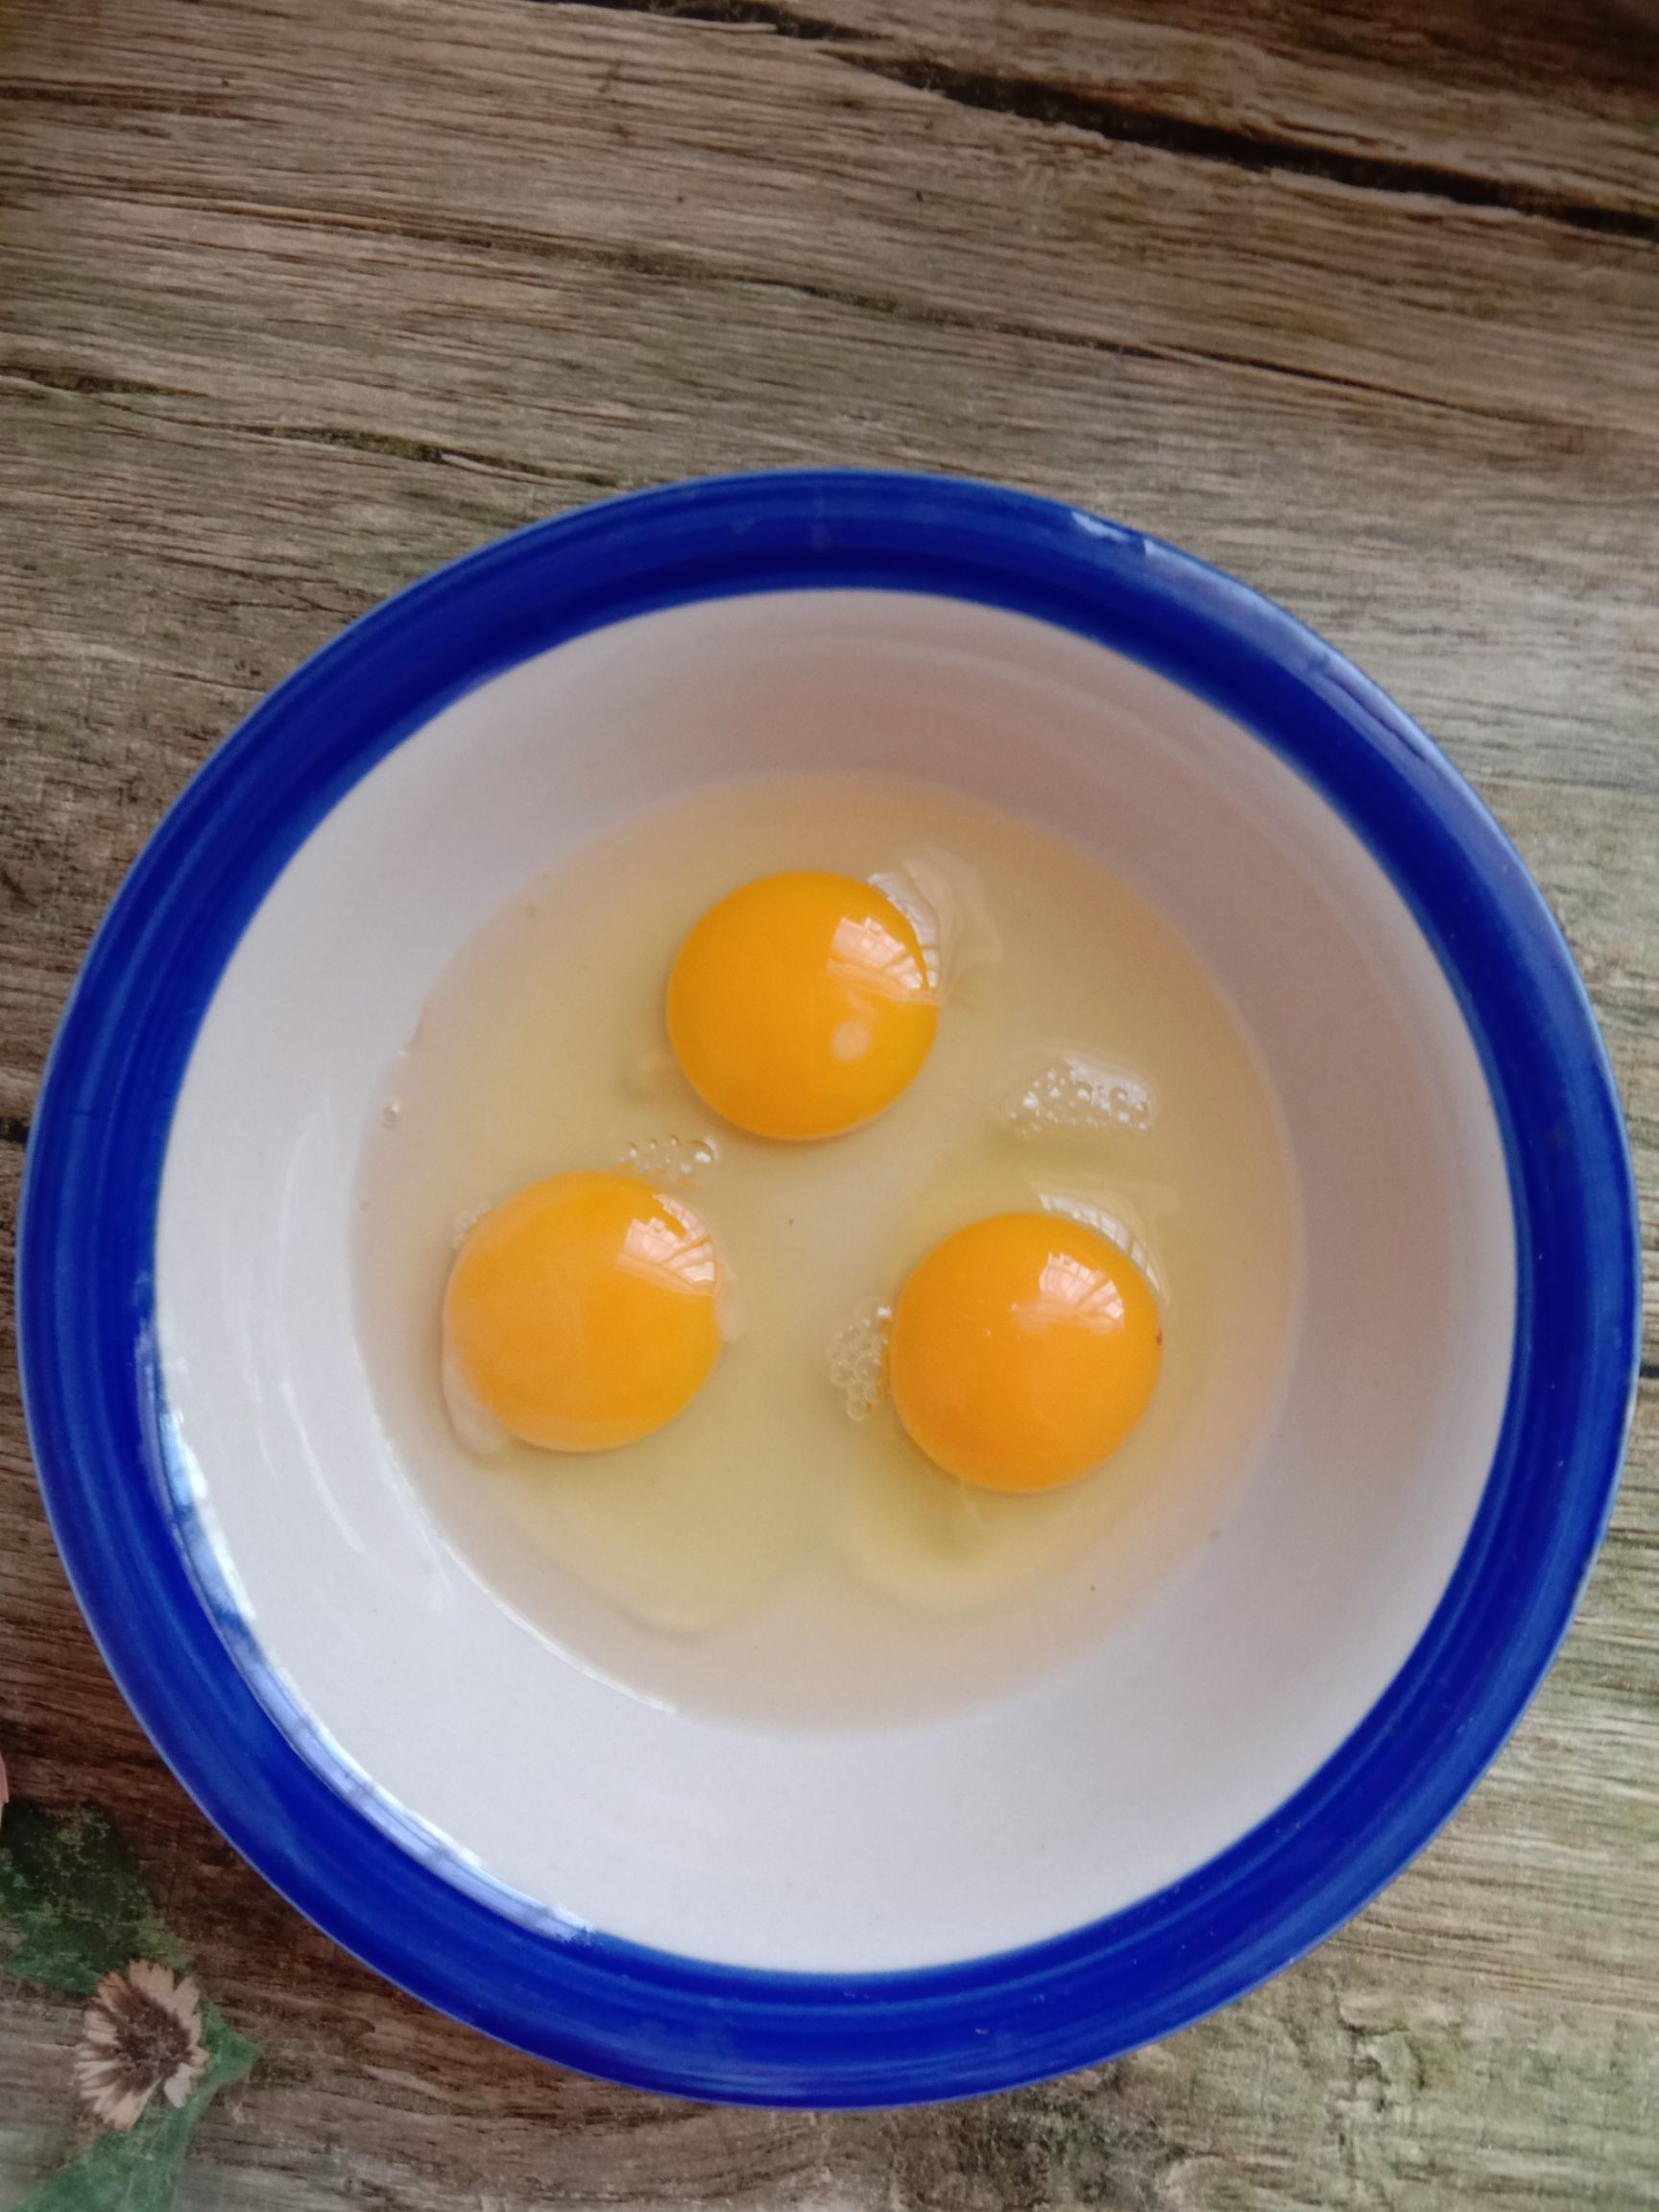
(581, 1313)
(800, 1005)
(1024, 1349)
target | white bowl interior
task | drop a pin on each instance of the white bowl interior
(893, 1845)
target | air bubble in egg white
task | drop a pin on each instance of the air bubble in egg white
(1075, 1094)
(681, 1163)
(857, 1356)
(464, 1224)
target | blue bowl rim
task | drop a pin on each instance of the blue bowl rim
(95, 1404)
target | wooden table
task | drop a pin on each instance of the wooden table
(1359, 300)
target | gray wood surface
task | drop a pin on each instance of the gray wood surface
(300, 296)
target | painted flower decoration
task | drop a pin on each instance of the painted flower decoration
(142, 2032)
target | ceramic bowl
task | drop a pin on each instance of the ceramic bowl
(904, 1911)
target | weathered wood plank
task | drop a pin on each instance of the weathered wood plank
(299, 301)
(1534, 107)
(1109, 246)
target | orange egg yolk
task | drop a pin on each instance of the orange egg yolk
(800, 1005)
(1024, 1349)
(581, 1313)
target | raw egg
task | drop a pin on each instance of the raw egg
(801, 1005)
(582, 1313)
(762, 1557)
(1024, 1350)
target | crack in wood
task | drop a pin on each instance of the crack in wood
(1257, 151)
(1330, 380)
(393, 447)
(684, 268)
(13, 1129)
(732, 14)
(1119, 122)
(81, 383)
(87, 383)
(923, 316)
(123, 99)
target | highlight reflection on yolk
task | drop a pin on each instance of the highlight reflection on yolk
(1024, 1350)
(581, 1313)
(800, 1005)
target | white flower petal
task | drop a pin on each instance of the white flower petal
(126, 2111)
(185, 2077)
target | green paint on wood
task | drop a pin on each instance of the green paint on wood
(75, 1900)
(139, 2172)
(231, 2056)
(135, 2172)
(78, 1908)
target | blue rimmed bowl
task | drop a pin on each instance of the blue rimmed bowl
(852, 1915)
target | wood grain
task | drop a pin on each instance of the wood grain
(1360, 302)
(1353, 92)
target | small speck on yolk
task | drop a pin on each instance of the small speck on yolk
(581, 1313)
(800, 1005)
(1024, 1350)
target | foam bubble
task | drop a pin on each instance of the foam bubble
(1073, 1093)
(679, 1161)
(463, 1224)
(857, 1356)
